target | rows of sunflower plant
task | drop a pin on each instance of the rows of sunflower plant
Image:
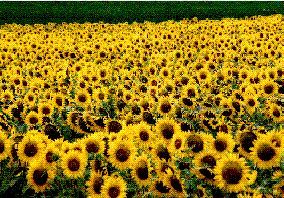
(190, 108)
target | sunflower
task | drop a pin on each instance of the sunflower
(165, 106)
(232, 173)
(58, 101)
(205, 162)
(51, 154)
(265, 154)
(33, 119)
(159, 188)
(177, 144)
(31, 148)
(188, 103)
(268, 88)
(166, 128)
(30, 98)
(74, 164)
(95, 185)
(6, 96)
(45, 109)
(223, 142)
(275, 113)
(94, 143)
(276, 138)
(177, 186)
(250, 103)
(5, 146)
(73, 120)
(203, 76)
(114, 187)
(39, 176)
(143, 135)
(160, 150)
(82, 98)
(141, 170)
(121, 153)
(245, 139)
(200, 192)
(198, 142)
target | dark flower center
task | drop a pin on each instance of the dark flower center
(144, 136)
(114, 126)
(163, 153)
(232, 175)
(195, 143)
(113, 192)
(73, 165)
(246, 140)
(209, 161)
(178, 143)
(33, 120)
(268, 89)
(208, 174)
(168, 131)
(82, 98)
(175, 183)
(59, 101)
(45, 110)
(92, 147)
(220, 145)
(266, 153)
(277, 142)
(142, 173)
(40, 177)
(187, 102)
(200, 193)
(48, 157)
(122, 154)
(276, 113)
(251, 102)
(190, 93)
(161, 188)
(30, 150)
(166, 107)
(2, 146)
(98, 185)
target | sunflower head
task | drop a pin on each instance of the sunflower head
(39, 176)
(73, 164)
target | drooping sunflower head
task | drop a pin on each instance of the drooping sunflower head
(198, 142)
(204, 163)
(95, 184)
(245, 139)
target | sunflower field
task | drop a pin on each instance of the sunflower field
(189, 108)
